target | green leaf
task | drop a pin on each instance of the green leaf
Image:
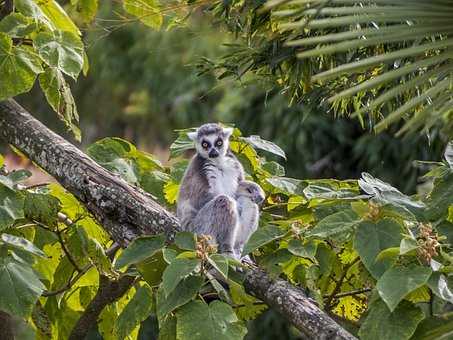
(285, 185)
(262, 236)
(372, 238)
(180, 145)
(220, 263)
(199, 321)
(87, 9)
(147, 11)
(17, 25)
(435, 328)
(152, 268)
(61, 49)
(59, 96)
(399, 281)
(19, 67)
(400, 324)
(407, 245)
(337, 225)
(59, 18)
(11, 207)
(176, 271)
(439, 284)
(22, 244)
(250, 307)
(185, 240)
(42, 208)
(440, 198)
(301, 249)
(140, 249)
(167, 328)
(186, 290)
(20, 287)
(258, 143)
(29, 8)
(136, 311)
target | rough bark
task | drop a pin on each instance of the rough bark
(127, 212)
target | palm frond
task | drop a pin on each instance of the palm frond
(391, 59)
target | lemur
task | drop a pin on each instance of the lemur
(248, 197)
(206, 202)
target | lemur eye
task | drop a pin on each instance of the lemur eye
(205, 145)
(219, 142)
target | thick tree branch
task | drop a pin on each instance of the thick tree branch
(108, 292)
(127, 212)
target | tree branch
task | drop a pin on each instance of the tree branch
(108, 292)
(126, 212)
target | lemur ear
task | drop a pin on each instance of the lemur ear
(192, 135)
(227, 132)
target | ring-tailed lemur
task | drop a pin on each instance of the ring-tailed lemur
(248, 196)
(206, 202)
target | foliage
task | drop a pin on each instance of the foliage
(363, 250)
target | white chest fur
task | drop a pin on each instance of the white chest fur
(223, 177)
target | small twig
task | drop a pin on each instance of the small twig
(38, 185)
(340, 283)
(350, 293)
(66, 251)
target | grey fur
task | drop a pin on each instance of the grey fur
(206, 203)
(248, 196)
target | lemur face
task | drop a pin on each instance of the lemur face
(251, 191)
(211, 140)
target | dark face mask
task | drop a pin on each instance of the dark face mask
(213, 153)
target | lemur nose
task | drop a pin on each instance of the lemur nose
(213, 153)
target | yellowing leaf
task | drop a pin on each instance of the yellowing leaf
(147, 11)
(350, 308)
(171, 190)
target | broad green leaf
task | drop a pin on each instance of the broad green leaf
(185, 240)
(399, 281)
(285, 185)
(31, 9)
(302, 249)
(274, 168)
(19, 67)
(258, 143)
(171, 191)
(136, 311)
(400, 324)
(17, 25)
(61, 49)
(177, 271)
(372, 238)
(439, 284)
(180, 145)
(152, 268)
(407, 245)
(440, 198)
(20, 287)
(140, 249)
(59, 18)
(154, 182)
(186, 290)
(199, 321)
(220, 263)
(385, 193)
(11, 207)
(22, 244)
(167, 328)
(59, 96)
(261, 237)
(336, 226)
(147, 11)
(249, 307)
(42, 208)
(433, 328)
